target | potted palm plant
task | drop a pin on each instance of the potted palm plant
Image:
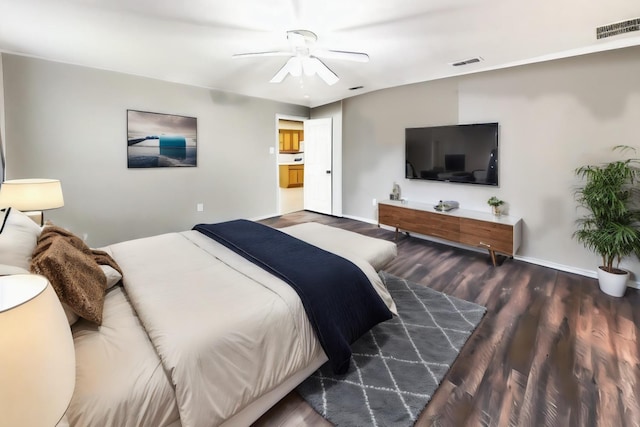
(611, 226)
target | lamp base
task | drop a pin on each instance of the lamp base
(36, 216)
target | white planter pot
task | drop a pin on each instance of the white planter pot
(612, 284)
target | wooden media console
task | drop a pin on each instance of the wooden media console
(501, 234)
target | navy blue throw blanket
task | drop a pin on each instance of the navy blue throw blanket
(337, 296)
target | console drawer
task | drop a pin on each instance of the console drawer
(484, 234)
(440, 225)
(418, 221)
(391, 215)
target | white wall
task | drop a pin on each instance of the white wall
(69, 122)
(553, 117)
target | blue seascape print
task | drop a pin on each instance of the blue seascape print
(160, 140)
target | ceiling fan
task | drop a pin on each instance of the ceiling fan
(304, 57)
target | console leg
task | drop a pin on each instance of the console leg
(493, 257)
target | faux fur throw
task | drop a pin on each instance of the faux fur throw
(73, 270)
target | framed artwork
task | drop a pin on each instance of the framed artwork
(156, 140)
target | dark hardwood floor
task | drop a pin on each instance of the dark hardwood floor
(552, 349)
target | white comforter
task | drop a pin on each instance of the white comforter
(216, 321)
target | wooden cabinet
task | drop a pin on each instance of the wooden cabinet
(482, 230)
(291, 176)
(289, 140)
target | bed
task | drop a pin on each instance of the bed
(148, 364)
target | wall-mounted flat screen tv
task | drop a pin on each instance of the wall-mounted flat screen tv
(456, 153)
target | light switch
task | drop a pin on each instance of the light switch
(200, 207)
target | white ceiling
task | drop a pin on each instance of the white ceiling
(408, 41)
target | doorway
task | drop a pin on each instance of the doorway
(290, 163)
(305, 162)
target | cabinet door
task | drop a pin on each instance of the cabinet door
(281, 140)
(297, 175)
(287, 141)
(484, 234)
(390, 215)
(295, 141)
(422, 222)
(438, 225)
(284, 176)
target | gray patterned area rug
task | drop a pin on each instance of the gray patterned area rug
(397, 366)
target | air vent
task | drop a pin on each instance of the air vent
(467, 61)
(618, 28)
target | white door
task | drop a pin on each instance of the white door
(317, 165)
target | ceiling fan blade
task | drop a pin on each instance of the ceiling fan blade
(324, 72)
(281, 74)
(293, 66)
(259, 54)
(341, 54)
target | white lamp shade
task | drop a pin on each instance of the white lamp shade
(31, 194)
(37, 360)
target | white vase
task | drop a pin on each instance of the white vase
(612, 284)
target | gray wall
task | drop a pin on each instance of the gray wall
(553, 117)
(69, 122)
(373, 141)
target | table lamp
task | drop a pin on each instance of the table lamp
(37, 360)
(29, 195)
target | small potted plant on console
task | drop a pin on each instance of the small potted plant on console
(611, 227)
(495, 204)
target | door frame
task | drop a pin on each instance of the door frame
(277, 151)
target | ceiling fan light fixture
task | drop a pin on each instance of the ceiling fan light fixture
(309, 66)
(295, 66)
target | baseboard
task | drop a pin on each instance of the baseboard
(357, 218)
(556, 266)
(261, 217)
(569, 269)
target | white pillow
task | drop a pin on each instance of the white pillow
(18, 237)
(8, 270)
(72, 317)
(113, 275)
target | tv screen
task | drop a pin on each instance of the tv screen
(457, 153)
